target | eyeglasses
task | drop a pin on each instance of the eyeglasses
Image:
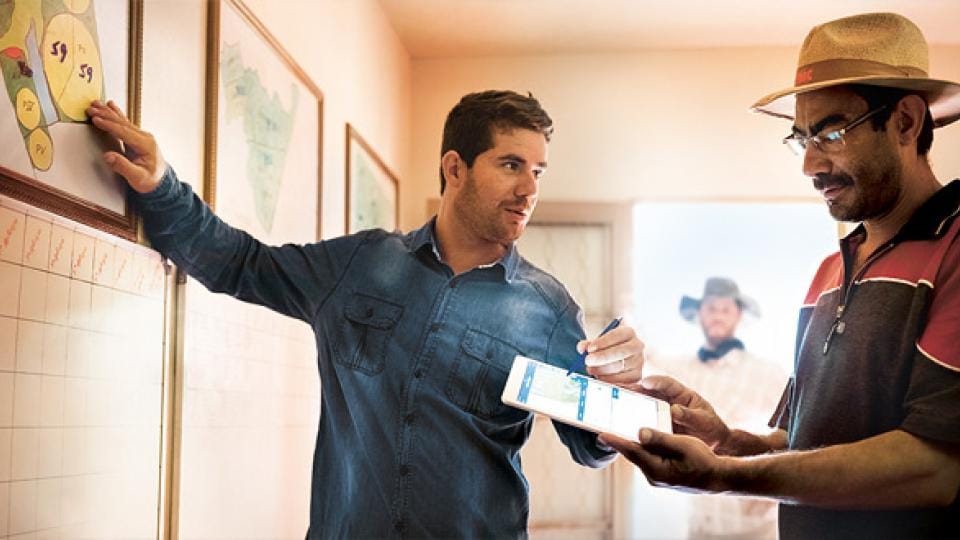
(830, 141)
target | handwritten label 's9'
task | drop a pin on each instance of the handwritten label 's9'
(59, 49)
(86, 72)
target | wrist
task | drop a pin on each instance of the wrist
(165, 185)
(726, 475)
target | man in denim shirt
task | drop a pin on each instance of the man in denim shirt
(416, 333)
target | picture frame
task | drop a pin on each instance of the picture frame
(372, 188)
(266, 114)
(50, 155)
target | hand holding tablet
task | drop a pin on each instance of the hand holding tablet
(582, 401)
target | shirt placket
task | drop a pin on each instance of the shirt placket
(436, 325)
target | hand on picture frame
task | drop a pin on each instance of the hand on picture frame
(143, 165)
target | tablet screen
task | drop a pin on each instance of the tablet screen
(578, 397)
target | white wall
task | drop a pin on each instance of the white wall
(658, 124)
(347, 47)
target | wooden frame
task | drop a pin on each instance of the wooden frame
(74, 184)
(223, 54)
(380, 183)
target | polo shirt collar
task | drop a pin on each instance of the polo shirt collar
(933, 217)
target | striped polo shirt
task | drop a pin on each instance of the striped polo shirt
(879, 351)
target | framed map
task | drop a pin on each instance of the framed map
(263, 130)
(56, 57)
(372, 199)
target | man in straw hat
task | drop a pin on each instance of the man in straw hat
(868, 429)
(742, 387)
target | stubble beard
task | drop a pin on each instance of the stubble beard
(482, 224)
(875, 192)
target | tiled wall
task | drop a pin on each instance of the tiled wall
(250, 410)
(81, 369)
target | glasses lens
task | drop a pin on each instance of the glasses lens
(796, 145)
(832, 140)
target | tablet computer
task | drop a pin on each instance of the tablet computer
(582, 401)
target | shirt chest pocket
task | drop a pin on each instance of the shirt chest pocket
(364, 333)
(479, 373)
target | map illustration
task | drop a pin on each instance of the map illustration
(51, 65)
(267, 128)
(374, 199)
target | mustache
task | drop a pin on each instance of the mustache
(826, 181)
(521, 202)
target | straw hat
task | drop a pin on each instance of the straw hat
(879, 49)
(718, 287)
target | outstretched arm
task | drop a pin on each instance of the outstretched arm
(291, 279)
(893, 470)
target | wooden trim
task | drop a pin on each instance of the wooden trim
(210, 104)
(172, 407)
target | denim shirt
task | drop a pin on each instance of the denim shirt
(413, 439)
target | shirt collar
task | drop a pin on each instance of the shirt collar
(934, 216)
(930, 220)
(425, 236)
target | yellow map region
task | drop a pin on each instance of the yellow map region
(28, 108)
(51, 66)
(75, 79)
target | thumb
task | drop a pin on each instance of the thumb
(659, 443)
(136, 176)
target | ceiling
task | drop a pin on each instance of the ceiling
(448, 28)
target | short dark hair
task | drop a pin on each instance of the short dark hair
(470, 125)
(875, 96)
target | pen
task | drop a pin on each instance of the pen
(580, 362)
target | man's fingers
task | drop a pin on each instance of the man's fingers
(141, 165)
(693, 418)
(113, 106)
(620, 378)
(134, 140)
(133, 174)
(663, 387)
(651, 465)
(629, 449)
(616, 336)
(665, 446)
(610, 356)
(113, 127)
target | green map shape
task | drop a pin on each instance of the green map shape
(266, 125)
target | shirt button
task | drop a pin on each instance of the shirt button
(435, 327)
(404, 470)
(408, 418)
(419, 373)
